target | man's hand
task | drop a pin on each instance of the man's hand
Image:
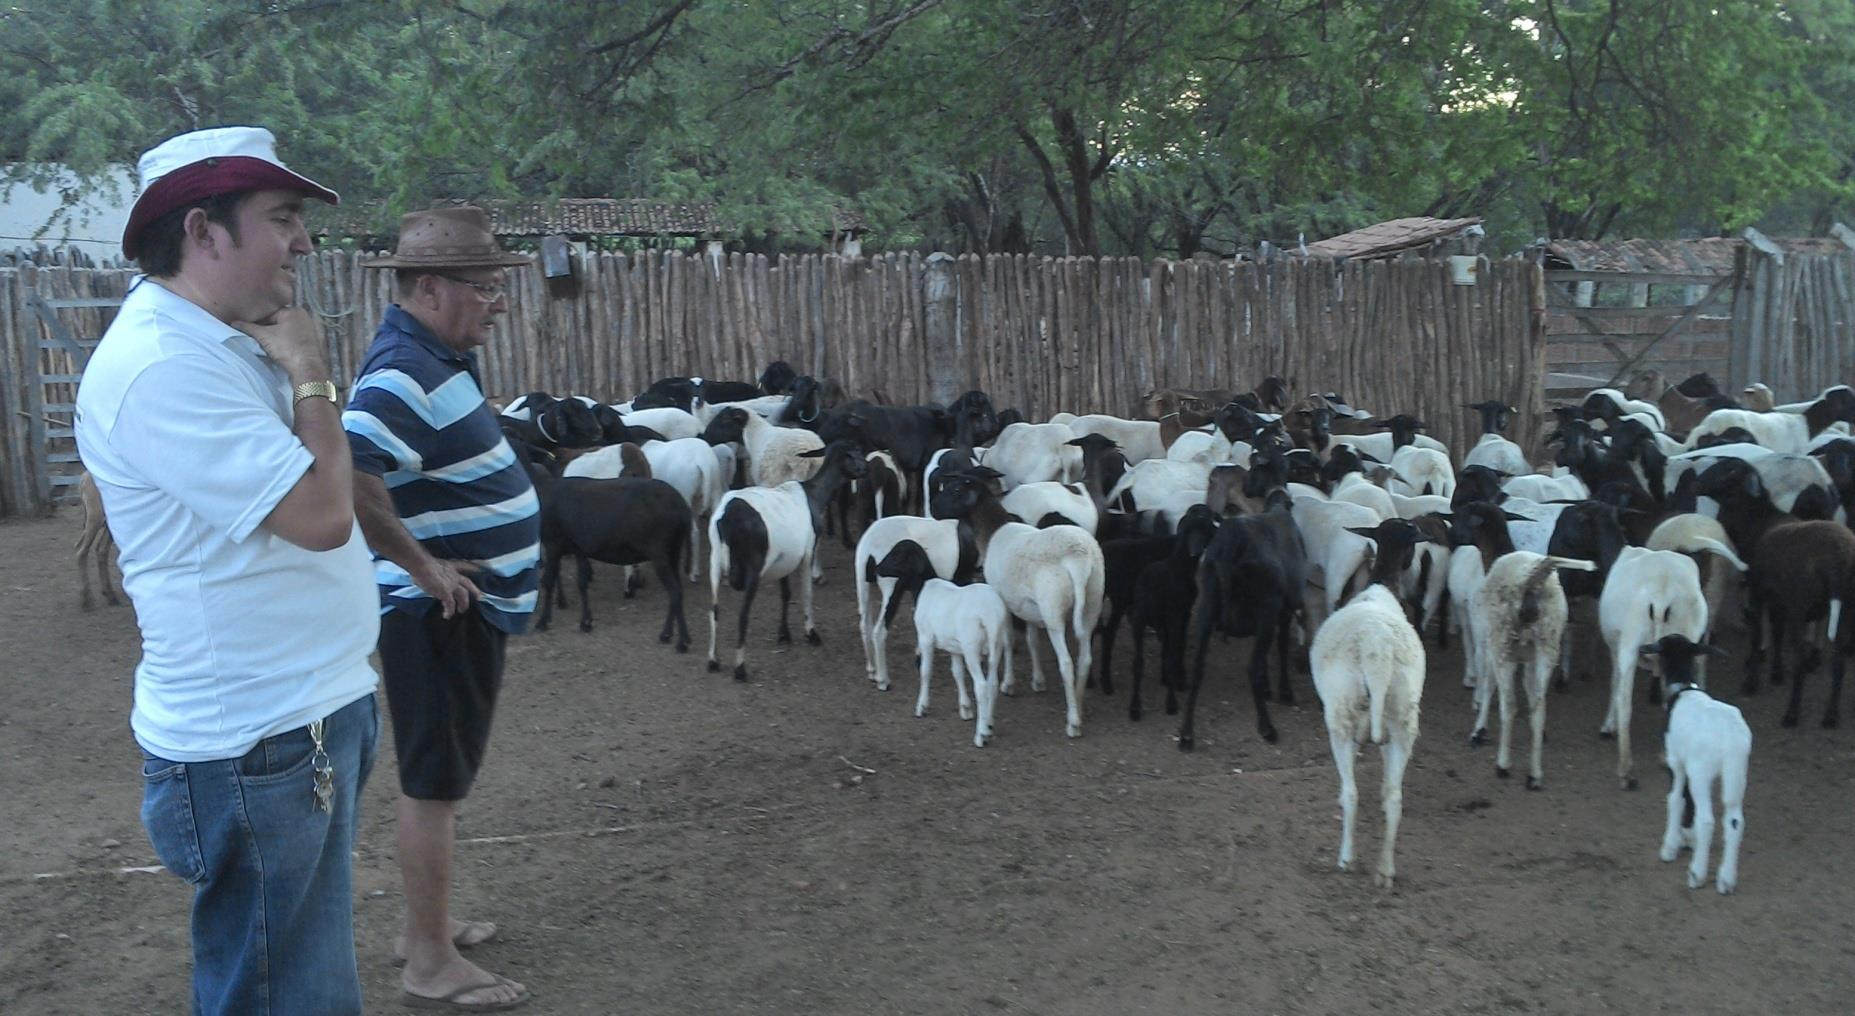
(294, 339)
(444, 581)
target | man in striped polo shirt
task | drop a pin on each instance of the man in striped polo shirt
(447, 507)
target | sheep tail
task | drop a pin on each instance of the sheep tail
(1835, 615)
(1375, 695)
(1532, 586)
(1708, 544)
(1121, 486)
(1079, 582)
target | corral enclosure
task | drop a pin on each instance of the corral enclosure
(655, 839)
(1042, 334)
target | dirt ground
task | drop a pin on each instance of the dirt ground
(656, 839)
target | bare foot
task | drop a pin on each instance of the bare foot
(464, 934)
(463, 983)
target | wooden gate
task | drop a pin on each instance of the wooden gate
(1602, 327)
(51, 391)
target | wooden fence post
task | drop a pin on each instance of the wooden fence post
(942, 341)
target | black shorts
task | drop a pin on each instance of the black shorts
(441, 677)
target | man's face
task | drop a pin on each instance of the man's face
(260, 268)
(461, 316)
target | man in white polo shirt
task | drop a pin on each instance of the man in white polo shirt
(209, 422)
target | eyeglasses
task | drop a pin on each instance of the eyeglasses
(488, 292)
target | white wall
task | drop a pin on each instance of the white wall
(93, 225)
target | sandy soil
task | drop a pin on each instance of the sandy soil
(656, 839)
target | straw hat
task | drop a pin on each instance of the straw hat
(457, 237)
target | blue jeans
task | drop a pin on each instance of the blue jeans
(273, 907)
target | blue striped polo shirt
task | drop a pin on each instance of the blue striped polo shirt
(417, 420)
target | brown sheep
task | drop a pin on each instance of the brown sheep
(96, 540)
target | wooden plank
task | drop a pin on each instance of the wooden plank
(1633, 278)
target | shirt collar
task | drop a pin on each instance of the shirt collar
(422, 337)
(191, 317)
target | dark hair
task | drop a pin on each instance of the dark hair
(161, 239)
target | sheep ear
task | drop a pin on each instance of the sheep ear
(815, 453)
(1713, 650)
(1649, 650)
(1511, 517)
(1370, 534)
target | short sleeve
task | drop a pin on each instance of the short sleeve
(383, 420)
(196, 428)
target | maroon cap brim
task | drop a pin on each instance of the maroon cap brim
(201, 180)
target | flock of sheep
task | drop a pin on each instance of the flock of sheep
(1250, 514)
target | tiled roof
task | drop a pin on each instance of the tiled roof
(1712, 255)
(1387, 238)
(582, 217)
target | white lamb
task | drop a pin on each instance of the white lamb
(669, 421)
(940, 538)
(968, 623)
(1706, 740)
(1368, 666)
(1032, 501)
(1497, 452)
(1704, 540)
(1537, 487)
(1138, 440)
(1337, 554)
(1520, 620)
(1355, 488)
(775, 455)
(1156, 482)
(1647, 595)
(1424, 471)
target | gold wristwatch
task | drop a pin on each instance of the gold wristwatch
(315, 389)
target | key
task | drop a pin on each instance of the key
(325, 789)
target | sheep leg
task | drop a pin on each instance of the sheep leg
(1565, 652)
(740, 642)
(805, 603)
(863, 627)
(717, 564)
(924, 658)
(1755, 653)
(1285, 692)
(1621, 693)
(83, 573)
(1210, 607)
(1484, 692)
(1536, 695)
(1703, 832)
(1344, 752)
(1732, 802)
(1066, 672)
(966, 667)
(633, 581)
(695, 547)
(1133, 698)
(1504, 680)
(550, 577)
(1833, 712)
(985, 686)
(1266, 626)
(672, 584)
(879, 632)
(584, 578)
(1115, 612)
(785, 608)
(1013, 624)
(843, 517)
(1677, 803)
(1030, 646)
(1397, 756)
(1802, 670)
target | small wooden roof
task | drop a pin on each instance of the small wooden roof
(1386, 239)
(1710, 255)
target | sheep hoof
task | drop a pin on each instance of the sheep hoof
(1830, 721)
(1073, 729)
(664, 638)
(811, 636)
(1606, 735)
(966, 712)
(785, 637)
(1285, 697)
(586, 627)
(1696, 879)
(1185, 742)
(1503, 772)
(1344, 866)
(1133, 712)
(740, 672)
(1726, 887)
(1749, 688)
(1628, 783)
(714, 667)
(920, 711)
(1268, 734)
(1478, 738)
(1534, 783)
(1789, 720)
(1383, 880)
(682, 647)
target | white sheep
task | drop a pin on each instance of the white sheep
(1337, 555)
(1704, 540)
(1424, 471)
(1355, 488)
(1160, 481)
(1519, 621)
(1032, 501)
(951, 555)
(1138, 440)
(1034, 452)
(669, 421)
(1383, 446)
(775, 455)
(1706, 740)
(968, 623)
(1537, 487)
(1648, 594)
(1780, 432)
(1497, 452)
(1368, 666)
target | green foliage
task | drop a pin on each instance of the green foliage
(1153, 127)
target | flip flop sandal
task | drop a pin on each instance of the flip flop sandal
(453, 1001)
(458, 940)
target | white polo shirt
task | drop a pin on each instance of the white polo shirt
(186, 426)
